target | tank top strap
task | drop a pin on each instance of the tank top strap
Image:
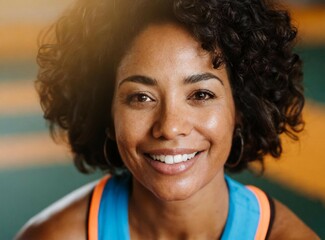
(108, 214)
(248, 214)
(94, 208)
(265, 212)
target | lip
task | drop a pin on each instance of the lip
(172, 169)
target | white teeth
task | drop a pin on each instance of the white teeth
(178, 158)
(171, 159)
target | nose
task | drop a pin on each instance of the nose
(172, 122)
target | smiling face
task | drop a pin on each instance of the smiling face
(173, 114)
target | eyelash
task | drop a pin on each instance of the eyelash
(208, 95)
(135, 98)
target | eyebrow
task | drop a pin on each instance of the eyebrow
(139, 79)
(188, 80)
(201, 77)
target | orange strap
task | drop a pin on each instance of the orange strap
(265, 213)
(94, 209)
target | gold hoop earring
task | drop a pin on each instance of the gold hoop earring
(238, 133)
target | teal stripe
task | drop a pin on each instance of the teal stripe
(18, 70)
(22, 123)
(314, 72)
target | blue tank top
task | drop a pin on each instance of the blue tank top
(248, 214)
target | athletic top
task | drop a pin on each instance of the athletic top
(250, 214)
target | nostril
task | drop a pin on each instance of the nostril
(167, 132)
(171, 124)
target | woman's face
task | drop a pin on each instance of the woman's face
(173, 113)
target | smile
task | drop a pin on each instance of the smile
(172, 159)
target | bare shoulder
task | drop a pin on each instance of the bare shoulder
(64, 219)
(288, 226)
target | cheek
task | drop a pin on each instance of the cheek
(218, 121)
(125, 136)
(124, 129)
(217, 126)
(130, 129)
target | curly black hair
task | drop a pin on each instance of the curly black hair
(254, 39)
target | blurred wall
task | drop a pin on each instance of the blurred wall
(22, 129)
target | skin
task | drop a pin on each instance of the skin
(158, 108)
(171, 116)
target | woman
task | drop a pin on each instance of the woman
(163, 96)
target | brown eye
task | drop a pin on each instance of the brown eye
(139, 98)
(202, 95)
(142, 98)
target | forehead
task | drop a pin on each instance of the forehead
(167, 34)
(164, 46)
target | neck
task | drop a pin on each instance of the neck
(201, 216)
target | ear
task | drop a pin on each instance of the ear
(110, 134)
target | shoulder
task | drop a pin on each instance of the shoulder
(288, 226)
(65, 219)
